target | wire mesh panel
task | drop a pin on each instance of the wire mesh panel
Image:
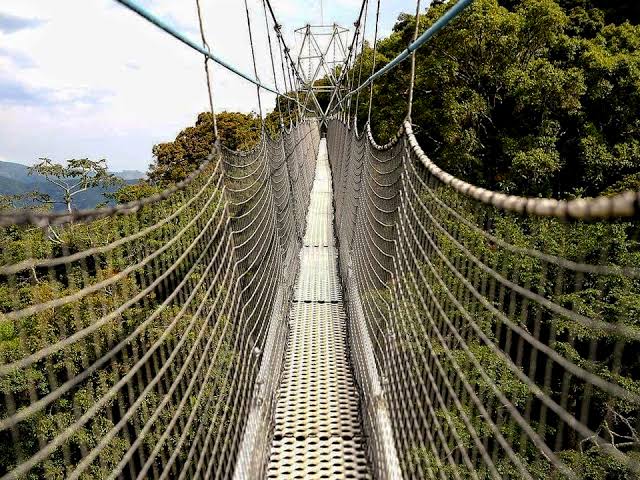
(130, 337)
(508, 342)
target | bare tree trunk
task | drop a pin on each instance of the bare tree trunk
(67, 199)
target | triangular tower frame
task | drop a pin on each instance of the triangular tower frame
(322, 54)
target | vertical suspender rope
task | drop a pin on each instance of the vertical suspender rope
(373, 65)
(350, 73)
(364, 31)
(413, 62)
(290, 68)
(273, 65)
(253, 58)
(205, 45)
(284, 74)
(293, 81)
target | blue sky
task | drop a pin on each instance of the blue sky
(90, 79)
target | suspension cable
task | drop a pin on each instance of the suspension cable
(351, 75)
(284, 74)
(294, 86)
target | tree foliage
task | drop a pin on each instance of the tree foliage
(150, 315)
(538, 98)
(175, 160)
(77, 176)
(531, 97)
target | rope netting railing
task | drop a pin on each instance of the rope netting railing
(505, 335)
(131, 337)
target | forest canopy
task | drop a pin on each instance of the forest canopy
(530, 97)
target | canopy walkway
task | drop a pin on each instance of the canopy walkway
(321, 308)
(202, 332)
(317, 428)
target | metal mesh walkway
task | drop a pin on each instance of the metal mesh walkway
(318, 433)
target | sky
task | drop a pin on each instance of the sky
(88, 78)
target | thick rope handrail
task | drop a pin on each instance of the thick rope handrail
(624, 205)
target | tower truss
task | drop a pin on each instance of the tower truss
(320, 60)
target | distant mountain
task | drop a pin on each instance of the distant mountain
(129, 175)
(15, 179)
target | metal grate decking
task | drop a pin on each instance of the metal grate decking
(318, 432)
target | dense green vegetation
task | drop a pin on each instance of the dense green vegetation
(154, 310)
(533, 97)
(238, 131)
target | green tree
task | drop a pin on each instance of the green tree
(34, 200)
(175, 160)
(532, 97)
(137, 191)
(539, 98)
(77, 176)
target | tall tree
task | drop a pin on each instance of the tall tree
(175, 160)
(77, 176)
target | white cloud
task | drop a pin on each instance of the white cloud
(90, 78)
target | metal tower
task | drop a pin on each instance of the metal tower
(320, 60)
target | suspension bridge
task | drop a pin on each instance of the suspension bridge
(321, 306)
